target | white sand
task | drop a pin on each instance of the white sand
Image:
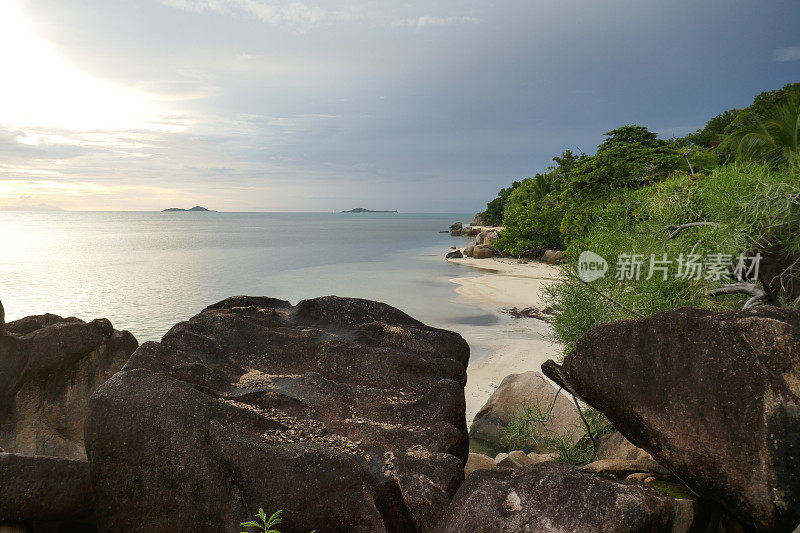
(512, 345)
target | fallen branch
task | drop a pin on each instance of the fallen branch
(612, 300)
(757, 293)
(682, 227)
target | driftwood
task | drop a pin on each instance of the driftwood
(757, 293)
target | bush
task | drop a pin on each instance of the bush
(753, 206)
(527, 431)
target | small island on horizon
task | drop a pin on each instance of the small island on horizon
(363, 210)
(195, 208)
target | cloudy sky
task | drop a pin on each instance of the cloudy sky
(319, 105)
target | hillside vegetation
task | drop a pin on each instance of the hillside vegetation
(711, 219)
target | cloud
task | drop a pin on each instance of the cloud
(428, 21)
(274, 12)
(790, 53)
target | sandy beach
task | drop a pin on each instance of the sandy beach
(512, 345)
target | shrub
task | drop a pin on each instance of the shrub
(528, 431)
(753, 205)
(266, 525)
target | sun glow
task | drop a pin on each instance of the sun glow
(39, 88)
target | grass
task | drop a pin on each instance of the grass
(754, 206)
(528, 431)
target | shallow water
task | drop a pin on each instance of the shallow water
(147, 271)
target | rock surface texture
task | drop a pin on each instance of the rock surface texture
(713, 397)
(347, 414)
(44, 489)
(508, 400)
(554, 497)
(49, 367)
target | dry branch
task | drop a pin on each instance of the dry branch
(682, 227)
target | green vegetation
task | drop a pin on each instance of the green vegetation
(735, 183)
(267, 524)
(751, 205)
(528, 431)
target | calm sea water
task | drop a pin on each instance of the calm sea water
(147, 271)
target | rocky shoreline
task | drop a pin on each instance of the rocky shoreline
(350, 415)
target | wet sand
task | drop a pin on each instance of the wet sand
(511, 345)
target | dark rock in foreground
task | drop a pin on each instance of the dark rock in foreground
(34, 488)
(49, 367)
(557, 497)
(712, 396)
(345, 413)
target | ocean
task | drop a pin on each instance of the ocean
(146, 271)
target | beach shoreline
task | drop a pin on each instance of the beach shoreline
(511, 345)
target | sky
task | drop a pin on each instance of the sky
(322, 105)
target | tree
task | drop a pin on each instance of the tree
(711, 135)
(493, 216)
(631, 157)
(774, 139)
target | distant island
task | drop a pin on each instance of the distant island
(362, 210)
(195, 208)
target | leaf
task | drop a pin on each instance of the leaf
(250, 524)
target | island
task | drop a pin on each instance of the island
(195, 208)
(362, 210)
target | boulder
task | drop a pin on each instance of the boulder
(456, 226)
(482, 251)
(49, 367)
(621, 468)
(557, 497)
(514, 459)
(486, 237)
(711, 396)
(455, 254)
(552, 257)
(347, 414)
(614, 446)
(455, 232)
(477, 220)
(471, 232)
(537, 458)
(508, 400)
(34, 488)
(470, 249)
(478, 461)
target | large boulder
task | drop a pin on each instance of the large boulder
(713, 397)
(49, 367)
(514, 393)
(482, 251)
(486, 237)
(470, 249)
(477, 220)
(470, 231)
(478, 461)
(557, 497)
(347, 414)
(614, 445)
(34, 489)
(552, 257)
